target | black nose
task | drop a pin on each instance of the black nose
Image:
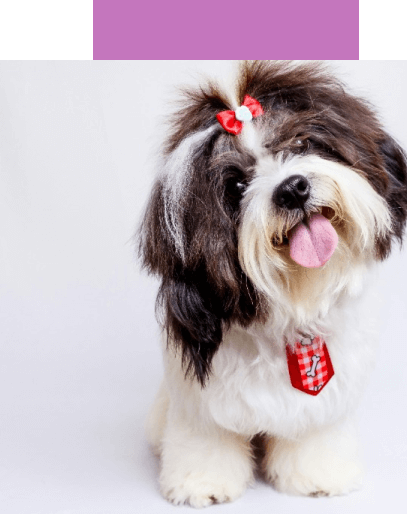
(292, 193)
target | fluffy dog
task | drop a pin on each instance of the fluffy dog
(274, 199)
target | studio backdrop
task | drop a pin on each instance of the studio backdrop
(79, 344)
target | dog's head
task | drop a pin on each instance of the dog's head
(240, 225)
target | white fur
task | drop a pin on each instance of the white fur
(322, 463)
(157, 419)
(251, 139)
(204, 439)
(202, 463)
(174, 173)
(250, 391)
(362, 213)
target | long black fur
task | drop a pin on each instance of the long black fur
(205, 290)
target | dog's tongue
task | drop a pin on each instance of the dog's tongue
(313, 245)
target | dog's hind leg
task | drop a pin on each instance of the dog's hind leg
(157, 418)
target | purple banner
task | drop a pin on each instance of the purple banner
(187, 29)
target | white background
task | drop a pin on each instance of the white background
(79, 357)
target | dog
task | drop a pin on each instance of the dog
(275, 197)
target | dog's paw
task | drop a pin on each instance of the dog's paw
(324, 475)
(201, 490)
(322, 464)
(319, 482)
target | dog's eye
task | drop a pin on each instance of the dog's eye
(234, 188)
(300, 144)
(234, 185)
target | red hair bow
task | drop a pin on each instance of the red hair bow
(232, 121)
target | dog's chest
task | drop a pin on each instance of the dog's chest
(251, 391)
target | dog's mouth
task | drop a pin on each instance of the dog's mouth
(313, 240)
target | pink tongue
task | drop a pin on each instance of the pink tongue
(314, 245)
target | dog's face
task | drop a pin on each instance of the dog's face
(225, 209)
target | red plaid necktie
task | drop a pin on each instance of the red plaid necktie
(309, 365)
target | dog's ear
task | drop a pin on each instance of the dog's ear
(206, 293)
(395, 163)
(194, 319)
(189, 238)
(156, 247)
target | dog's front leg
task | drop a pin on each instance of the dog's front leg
(322, 463)
(202, 464)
